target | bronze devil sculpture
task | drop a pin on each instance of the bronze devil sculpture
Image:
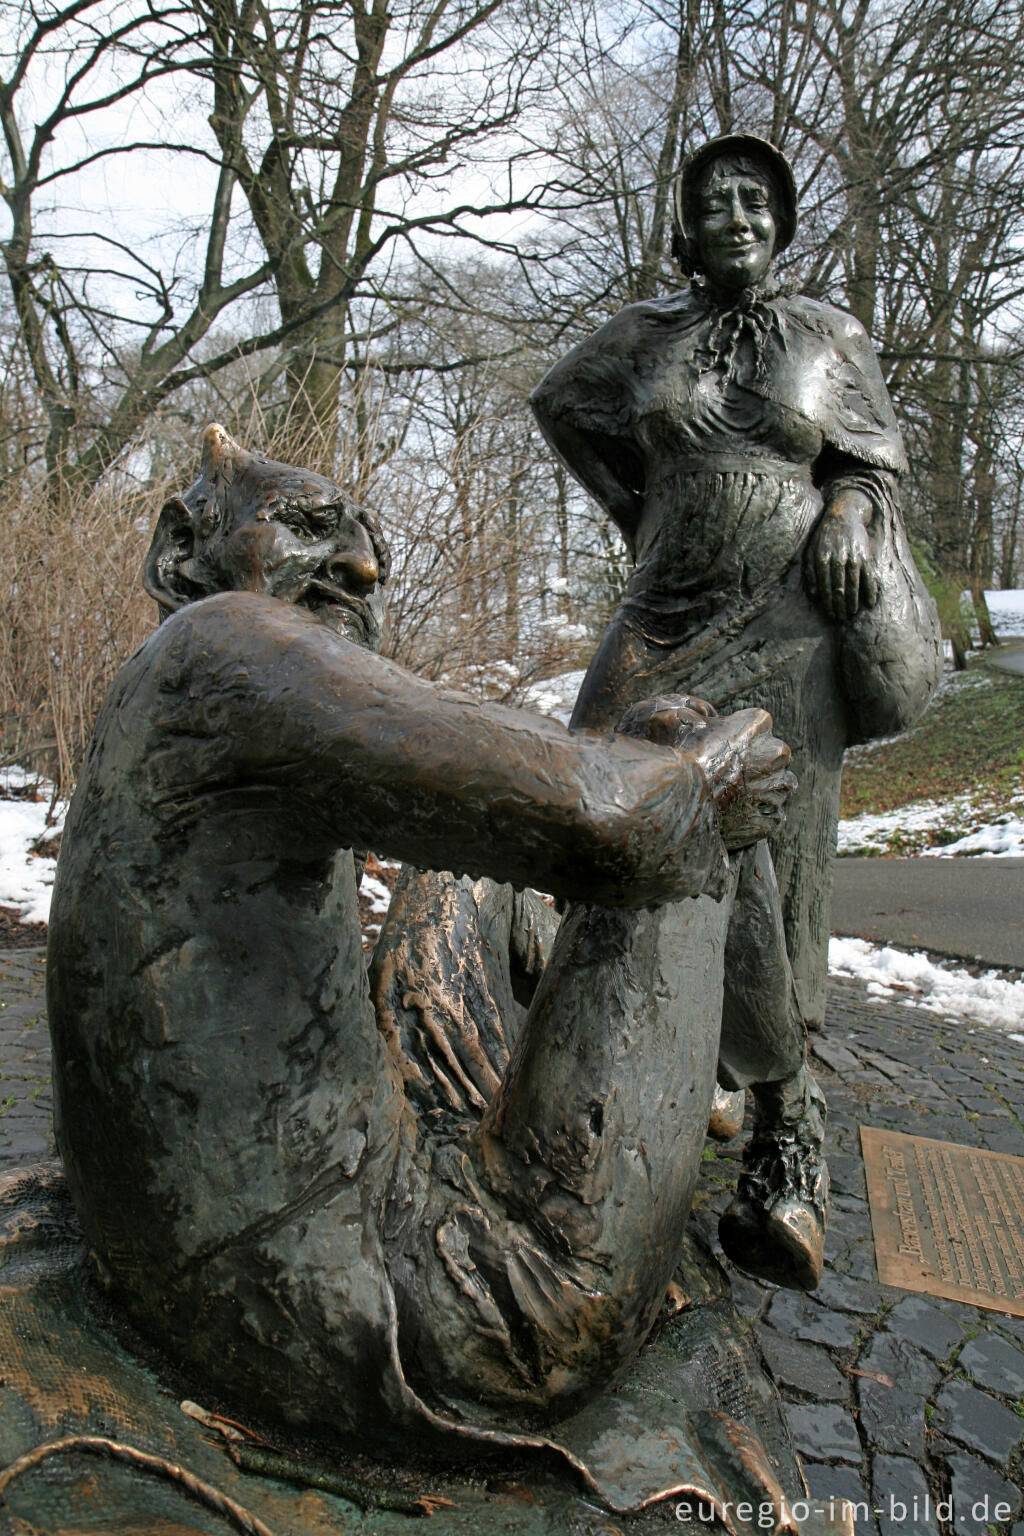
(447, 1196)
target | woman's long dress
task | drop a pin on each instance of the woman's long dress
(715, 438)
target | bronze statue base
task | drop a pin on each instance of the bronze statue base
(696, 1417)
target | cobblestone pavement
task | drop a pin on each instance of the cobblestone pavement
(897, 1401)
(26, 1102)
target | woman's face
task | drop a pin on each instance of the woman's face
(734, 225)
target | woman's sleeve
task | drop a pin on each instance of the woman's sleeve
(836, 471)
(586, 408)
(890, 654)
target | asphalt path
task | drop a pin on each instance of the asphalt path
(972, 908)
(1010, 659)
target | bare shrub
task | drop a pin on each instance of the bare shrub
(474, 600)
(72, 610)
(476, 596)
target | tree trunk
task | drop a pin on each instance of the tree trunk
(510, 563)
(960, 641)
(1008, 543)
(980, 573)
(562, 520)
(862, 180)
(668, 160)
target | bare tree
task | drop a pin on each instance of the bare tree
(486, 582)
(904, 124)
(338, 139)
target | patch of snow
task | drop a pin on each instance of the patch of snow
(564, 630)
(26, 878)
(1000, 839)
(378, 893)
(873, 831)
(484, 680)
(956, 682)
(993, 834)
(1006, 610)
(14, 779)
(910, 977)
(555, 696)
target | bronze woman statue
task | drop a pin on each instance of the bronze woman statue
(743, 441)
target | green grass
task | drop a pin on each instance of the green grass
(970, 743)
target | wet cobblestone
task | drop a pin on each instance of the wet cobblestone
(936, 1393)
(26, 1100)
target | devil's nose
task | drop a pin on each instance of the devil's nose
(356, 570)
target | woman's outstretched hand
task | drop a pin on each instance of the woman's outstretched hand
(747, 768)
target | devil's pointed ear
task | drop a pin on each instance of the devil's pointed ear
(172, 545)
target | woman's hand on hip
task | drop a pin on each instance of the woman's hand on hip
(840, 566)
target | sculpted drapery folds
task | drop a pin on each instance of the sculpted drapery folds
(743, 441)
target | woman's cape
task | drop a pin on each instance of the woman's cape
(818, 363)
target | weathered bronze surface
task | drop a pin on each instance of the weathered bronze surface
(948, 1220)
(442, 1203)
(67, 1374)
(743, 441)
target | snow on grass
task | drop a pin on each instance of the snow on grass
(1006, 610)
(26, 877)
(986, 830)
(873, 832)
(1000, 839)
(912, 978)
(971, 824)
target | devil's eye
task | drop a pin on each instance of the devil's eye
(309, 524)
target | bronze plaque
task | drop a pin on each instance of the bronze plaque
(948, 1220)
